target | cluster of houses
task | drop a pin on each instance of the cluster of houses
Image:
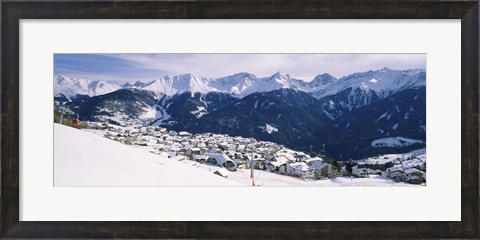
(410, 175)
(234, 153)
(404, 168)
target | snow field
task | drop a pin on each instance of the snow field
(84, 158)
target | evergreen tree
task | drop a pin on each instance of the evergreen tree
(348, 167)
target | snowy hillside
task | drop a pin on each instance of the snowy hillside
(395, 142)
(70, 87)
(85, 159)
(414, 158)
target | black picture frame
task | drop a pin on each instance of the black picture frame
(13, 11)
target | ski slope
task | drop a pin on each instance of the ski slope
(85, 159)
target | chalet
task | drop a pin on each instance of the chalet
(141, 142)
(222, 160)
(184, 134)
(277, 164)
(360, 172)
(414, 172)
(414, 175)
(300, 156)
(200, 158)
(322, 169)
(195, 150)
(300, 169)
(396, 173)
(274, 166)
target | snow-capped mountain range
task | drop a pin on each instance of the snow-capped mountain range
(383, 82)
(71, 87)
(301, 115)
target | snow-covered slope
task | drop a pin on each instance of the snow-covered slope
(395, 142)
(321, 81)
(383, 82)
(85, 159)
(251, 84)
(409, 159)
(70, 87)
(235, 84)
(169, 85)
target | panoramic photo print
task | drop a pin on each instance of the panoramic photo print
(251, 120)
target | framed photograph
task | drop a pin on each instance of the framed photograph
(239, 119)
(271, 130)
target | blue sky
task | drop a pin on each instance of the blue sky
(146, 67)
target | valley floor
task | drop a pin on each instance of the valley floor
(84, 158)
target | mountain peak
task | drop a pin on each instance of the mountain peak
(280, 74)
(138, 83)
(126, 85)
(62, 78)
(244, 74)
(323, 79)
(186, 75)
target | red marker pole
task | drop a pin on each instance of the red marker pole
(251, 169)
(252, 175)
